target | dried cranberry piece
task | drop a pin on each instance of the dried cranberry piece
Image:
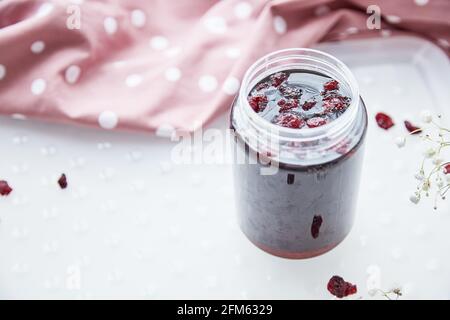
(335, 102)
(287, 105)
(262, 86)
(331, 85)
(278, 78)
(290, 121)
(447, 168)
(5, 189)
(258, 102)
(315, 226)
(62, 181)
(412, 128)
(383, 120)
(290, 91)
(307, 105)
(340, 288)
(316, 122)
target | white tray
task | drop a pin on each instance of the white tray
(131, 225)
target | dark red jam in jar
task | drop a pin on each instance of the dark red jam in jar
(299, 126)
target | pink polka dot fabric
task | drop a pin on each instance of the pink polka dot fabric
(161, 65)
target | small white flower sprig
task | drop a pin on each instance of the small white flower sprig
(438, 177)
(393, 294)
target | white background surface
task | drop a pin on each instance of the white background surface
(133, 225)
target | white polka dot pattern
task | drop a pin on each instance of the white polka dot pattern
(173, 74)
(110, 24)
(279, 24)
(138, 18)
(207, 83)
(216, 25)
(393, 19)
(165, 131)
(243, 10)
(233, 53)
(45, 9)
(37, 47)
(2, 71)
(133, 80)
(72, 74)
(159, 43)
(108, 120)
(38, 86)
(321, 10)
(231, 86)
(421, 2)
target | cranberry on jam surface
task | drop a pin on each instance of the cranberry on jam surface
(290, 91)
(335, 103)
(331, 85)
(258, 102)
(316, 122)
(308, 105)
(412, 128)
(278, 78)
(287, 105)
(5, 189)
(340, 288)
(62, 181)
(289, 120)
(384, 121)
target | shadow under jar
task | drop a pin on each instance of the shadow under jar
(297, 168)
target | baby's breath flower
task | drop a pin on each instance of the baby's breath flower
(430, 152)
(426, 116)
(433, 175)
(414, 198)
(437, 161)
(400, 141)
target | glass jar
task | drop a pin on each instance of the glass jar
(296, 189)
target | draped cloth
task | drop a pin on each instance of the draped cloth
(158, 65)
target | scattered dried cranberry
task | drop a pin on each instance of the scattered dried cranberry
(340, 288)
(447, 168)
(383, 120)
(412, 128)
(258, 102)
(5, 189)
(62, 181)
(331, 85)
(316, 122)
(287, 105)
(278, 78)
(315, 227)
(308, 105)
(290, 121)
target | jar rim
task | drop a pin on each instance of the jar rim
(314, 56)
